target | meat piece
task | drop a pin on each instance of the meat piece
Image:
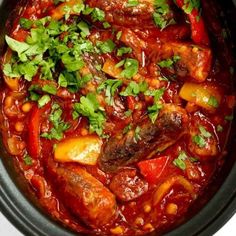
(127, 186)
(202, 140)
(118, 12)
(123, 149)
(194, 61)
(83, 195)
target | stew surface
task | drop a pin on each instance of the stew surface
(117, 112)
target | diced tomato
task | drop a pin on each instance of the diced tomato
(153, 169)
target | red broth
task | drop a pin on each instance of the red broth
(117, 112)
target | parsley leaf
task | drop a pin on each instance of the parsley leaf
(153, 111)
(25, 23)
(130, 68)
(189, 5)
(137, 134)
(110, 86)
(199, 140)
(98, 14)
(51, 89)
(133, 89)
(123, 50)
(28, 160)
(204, 132)
(219, 128)
(59, 126)
(89, 107)
(45, 99)
(168, 63)
(107, 46)
(132, 3)
(213, 102)
(180, 161)
(157, 93)
(160, 16)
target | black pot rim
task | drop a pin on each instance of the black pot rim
(27, 219)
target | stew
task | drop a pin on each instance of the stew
(117, 112)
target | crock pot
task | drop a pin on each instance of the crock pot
(208, 215)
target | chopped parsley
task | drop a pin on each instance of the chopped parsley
(160, 16)
(106, 25)
(90, 108)
(204, 132)
(45, 99)
(83, 26)
(157, 93)
(123, 50)
(132, 3)
(110, 87)
(59, 126)
(128, 113)
(27, 160)
(98, 15)
(168, 63)
(26, 23)
(107, 46)
(137, 133)
(189, 5)
(51, 89)
(127, 129)
(153, 111)
(118, 35)
(229, 118)
(130, 68)
(213, 102)
(180, 160)
(200, 139)
(219, 128)
(133, 89)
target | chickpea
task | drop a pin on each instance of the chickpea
(139, 221)
(19, 126)
(26, 107)
(117, 230)
(171, 209)
(84, 132)
(155, 83)
(149, 227)
(147, 208)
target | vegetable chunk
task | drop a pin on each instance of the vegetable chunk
(204, 95)
(194, 61)
(84, 150)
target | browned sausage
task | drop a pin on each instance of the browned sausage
(119, 13)
(83, 195)
(123, 149)
(127, 186)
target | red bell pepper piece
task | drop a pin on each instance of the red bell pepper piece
(34, 132)
(131, 102)
(199, 32)
(153, 169)
(35, 120)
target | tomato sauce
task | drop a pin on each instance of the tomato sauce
(117, 112)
